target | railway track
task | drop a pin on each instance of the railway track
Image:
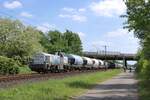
(19, 77)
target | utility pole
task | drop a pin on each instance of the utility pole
(105, 54)
(105, 47)
(96, 49)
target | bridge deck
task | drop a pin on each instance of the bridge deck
(110, 55)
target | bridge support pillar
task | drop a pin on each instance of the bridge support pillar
(125, 63)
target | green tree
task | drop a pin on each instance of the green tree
(21, 42)
(44, 41)
(67, 42)
(73, 42)
(17, 40)
(138, 21)
(55, 39)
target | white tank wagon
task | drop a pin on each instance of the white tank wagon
(119, 65)
(95, 63)
(87, 62)
(42, 62)
(75, 61)
(101, 64)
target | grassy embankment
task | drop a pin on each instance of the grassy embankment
(56, 89)
(144, 87)
(25, 70)
(144, 90)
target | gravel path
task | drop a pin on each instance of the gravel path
(121, 87)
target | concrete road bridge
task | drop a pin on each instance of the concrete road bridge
(109, 55)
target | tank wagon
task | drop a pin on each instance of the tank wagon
(119, 65)
(87, 63)
(44, 62)
(96, 64)
(75, 61)
(111, 65)
(101, 64)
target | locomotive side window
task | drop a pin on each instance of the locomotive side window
(47, 59)
(38, 59)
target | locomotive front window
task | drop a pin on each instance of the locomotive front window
(47, 58)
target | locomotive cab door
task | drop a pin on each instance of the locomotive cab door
(48, 64)
(61, 67)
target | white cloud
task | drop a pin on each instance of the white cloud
(73, 10)
(64, 16)
(82, 10)
(81, 34)
(108, 8)
(45, 27)
(68, 9)
(117, 33)
(123, 40)
(73, 14)
(12, 5)
(101, 43)
(121, 33)
(79, 18)
(26, 14)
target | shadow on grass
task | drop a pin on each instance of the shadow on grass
(80, 84)
(61, 98)
(144, 90)
(129, 87)
(107, 98)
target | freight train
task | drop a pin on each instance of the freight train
(44, 62)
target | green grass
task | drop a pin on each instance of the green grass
(25, 70)
(143, 87)
(56, 89)
(144, 90)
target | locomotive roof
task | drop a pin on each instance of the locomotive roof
(43, 53)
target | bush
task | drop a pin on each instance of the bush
(8, 66)
(24, 69)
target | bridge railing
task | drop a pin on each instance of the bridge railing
(102, 53)
(109, 54)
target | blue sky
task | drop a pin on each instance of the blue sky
(96, 21)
